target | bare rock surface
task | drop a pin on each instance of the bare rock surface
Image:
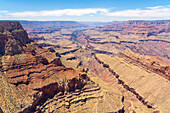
(139, 75)
(34, 79)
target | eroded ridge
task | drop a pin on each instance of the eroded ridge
(146, 84)
(34, 79)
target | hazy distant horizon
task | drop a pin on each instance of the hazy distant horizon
(80, 21)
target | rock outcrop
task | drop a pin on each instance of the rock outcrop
(107, 43)
(144, 76)
(33, 79)
(12, 38)
(126, 81)
(140, 27)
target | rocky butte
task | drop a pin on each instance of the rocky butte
(66, 77)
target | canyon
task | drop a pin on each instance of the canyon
(52, 67)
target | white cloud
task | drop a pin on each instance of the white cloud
(156, 7)
(3, 11)
(149, 12)
(91, 14)
(68, 12)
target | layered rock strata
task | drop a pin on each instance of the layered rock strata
(34, 79)
(147, 78)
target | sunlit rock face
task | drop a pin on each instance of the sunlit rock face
(129, 61)
(34, 79)
(12, 38)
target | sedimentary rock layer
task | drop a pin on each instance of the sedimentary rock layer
(34, 79)
(140, 76)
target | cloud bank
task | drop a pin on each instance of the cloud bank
(68, 12)
(149, 13)
(3, 11)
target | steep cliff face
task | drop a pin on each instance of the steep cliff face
(33, 79)
(9, 26)
(12, 38)
(147, 62)
(126, 81)
(144, 76)
(140, 27)
(106, 42)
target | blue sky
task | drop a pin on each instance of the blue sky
(84, 10)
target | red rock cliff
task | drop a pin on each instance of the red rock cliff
(12, 38)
